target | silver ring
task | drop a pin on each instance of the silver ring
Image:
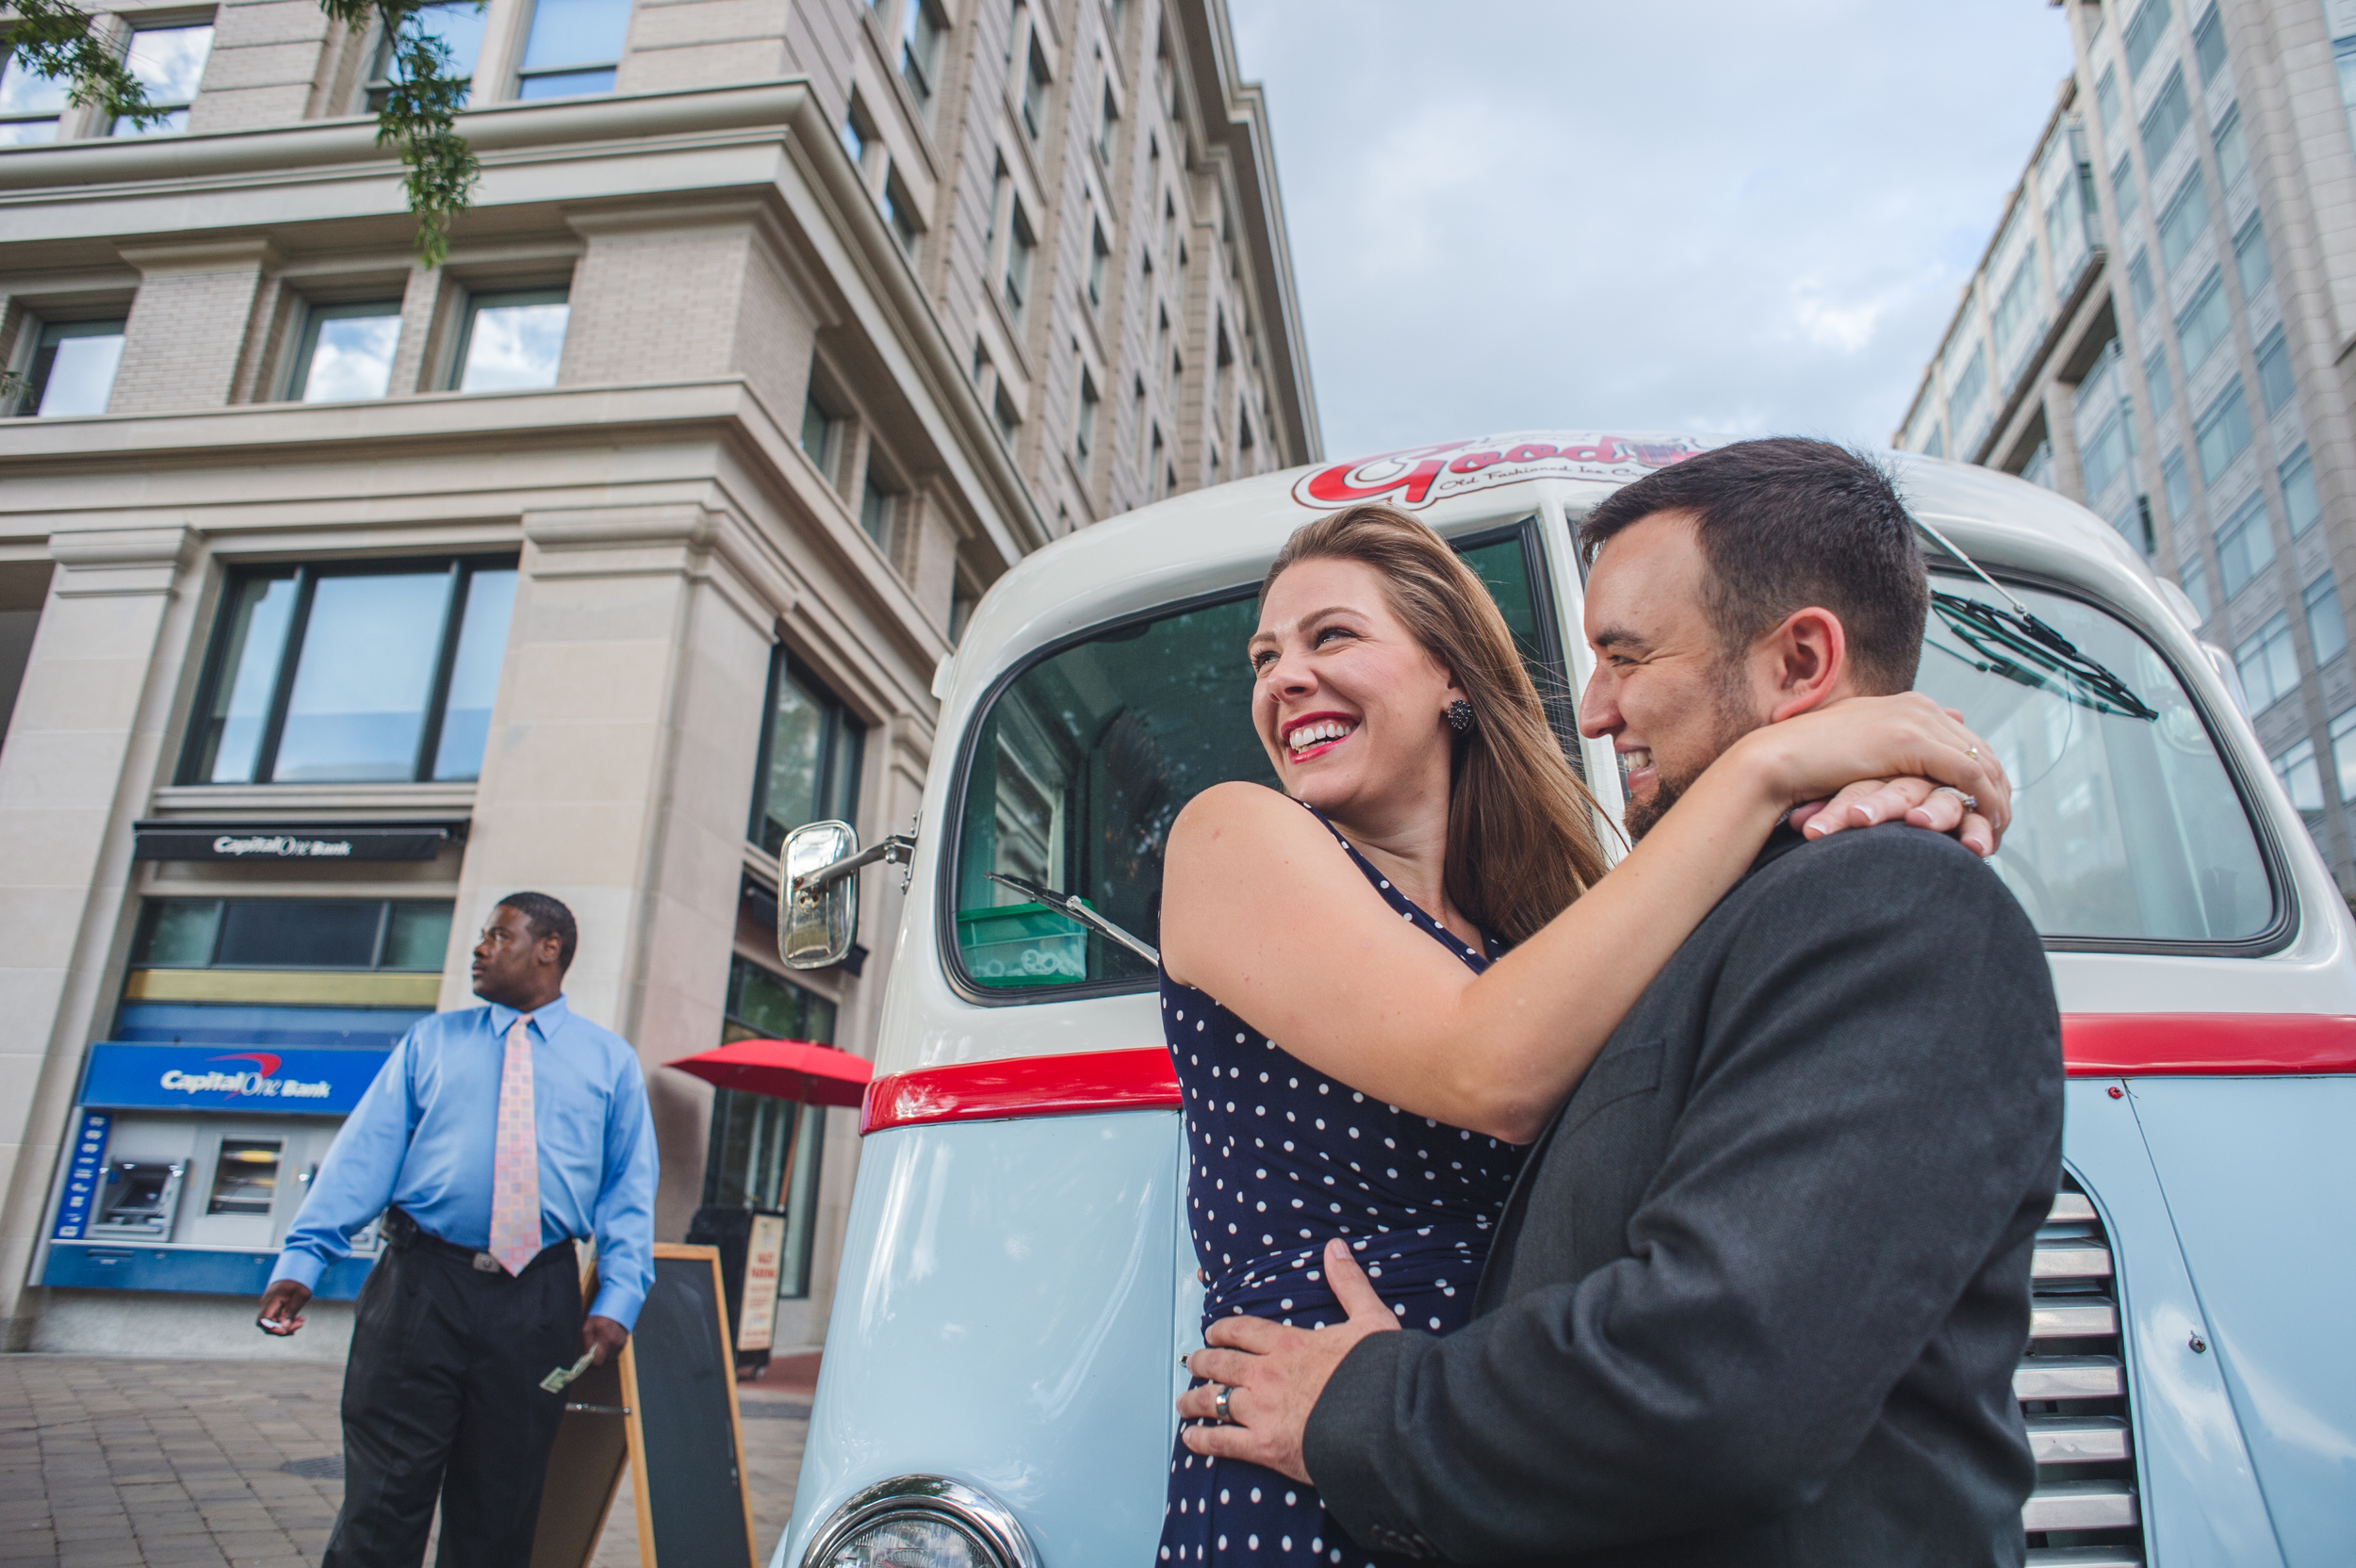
(1227, 1392)
(1970, 802)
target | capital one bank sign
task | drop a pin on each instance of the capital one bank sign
(1415, 477)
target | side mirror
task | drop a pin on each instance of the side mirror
(815, 924)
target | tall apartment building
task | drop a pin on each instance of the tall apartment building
(340, 596)
(2161, 329)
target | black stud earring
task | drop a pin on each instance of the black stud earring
(1460, 715)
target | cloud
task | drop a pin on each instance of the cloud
(1713, 215)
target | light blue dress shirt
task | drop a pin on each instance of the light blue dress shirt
(426, 1133)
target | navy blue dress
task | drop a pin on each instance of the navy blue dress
(1282, 1160)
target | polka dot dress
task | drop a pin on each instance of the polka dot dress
(1282, 1160)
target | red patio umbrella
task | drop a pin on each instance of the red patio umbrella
(784, 1070)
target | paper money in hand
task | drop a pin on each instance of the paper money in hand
(554, 1383)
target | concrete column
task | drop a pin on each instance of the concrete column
(618, 778)
(82, 754)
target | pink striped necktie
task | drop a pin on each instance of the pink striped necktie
(516, 1172)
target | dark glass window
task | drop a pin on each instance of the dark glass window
(375, 673)
(763, 1152)
(809, 757)
(458, 26)
(575, 47)
(293, 932)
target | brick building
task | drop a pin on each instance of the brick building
(339, 596)
(2160, 329)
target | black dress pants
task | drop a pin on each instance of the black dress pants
(442, 1397)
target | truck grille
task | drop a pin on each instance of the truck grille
(2072, 1387)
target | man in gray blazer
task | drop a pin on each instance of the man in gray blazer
(1759, 1293)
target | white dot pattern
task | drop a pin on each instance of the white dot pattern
(1281, 1160)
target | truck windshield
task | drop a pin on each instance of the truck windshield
(2125, 829)
(1084, 759)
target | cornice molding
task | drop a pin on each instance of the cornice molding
(119, 562)
(203, 255)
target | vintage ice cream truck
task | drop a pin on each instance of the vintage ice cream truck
(1016, 1286)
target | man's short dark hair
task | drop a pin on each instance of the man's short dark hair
(547, 918)
(1787, 523)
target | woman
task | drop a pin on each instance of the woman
(1427, 926)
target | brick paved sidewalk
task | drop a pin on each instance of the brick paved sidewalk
(106, 1462)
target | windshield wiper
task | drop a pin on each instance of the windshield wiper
(2015, 645)
(1069, 906)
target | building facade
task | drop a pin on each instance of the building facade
(2161, 327)
(340, 596)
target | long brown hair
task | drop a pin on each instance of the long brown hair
(1521, 826)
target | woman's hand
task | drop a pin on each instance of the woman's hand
(1877, 759)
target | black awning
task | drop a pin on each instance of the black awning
(295, 842)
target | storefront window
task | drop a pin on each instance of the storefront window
(810, 757)
(763, 1152)
(294, 933)
(371, 675)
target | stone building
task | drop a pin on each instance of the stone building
(2160, 329)
(340, 596)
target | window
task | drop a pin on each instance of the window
(1967, 398)
(2202, 324)
(1100, 256)
(2343, 753)
(2300, 504)
(459, 28)
(168, 62)
(1170, 224)
(2208, 46)
(293, 932)
(346, 355)
(963, 599)
(1085, 439)
(30, 103)
(1021, 243)
(1108, 127)
(809, 757)
(2163, 390)
(920, 52)
(2194, 579)
(855, 135)
(1081, 762)
(2142, 35)
(361, 673)
(2123, 187)
(880, 507)
(2107, 99)
(2223, 433)
(2251, 258)
(763, 1152)
(821, 426)
(2301, 776)
(1153, 466)
(2107, 454)
(2140, 284)
(575, 47)
(1009, 418)
(2171, 113)
(513, 342)
(2185, 219)
(901, 214)
(1035, 91)
(2232, 153)
(2179, 488)
(2275, 383)
(2327, 628)
(72, 370)
(2244, 545)
(2269, 664)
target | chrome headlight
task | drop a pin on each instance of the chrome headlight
(919, 1522)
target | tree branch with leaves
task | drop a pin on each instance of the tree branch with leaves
(420, 115)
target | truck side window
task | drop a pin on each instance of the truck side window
(2125, 830)
(1079, 765)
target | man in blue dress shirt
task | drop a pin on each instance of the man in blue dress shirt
(491, 1140)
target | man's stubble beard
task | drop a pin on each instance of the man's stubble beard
(1731, 718)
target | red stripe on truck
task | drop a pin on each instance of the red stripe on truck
(2094, 1045)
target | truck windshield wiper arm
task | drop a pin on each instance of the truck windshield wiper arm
(1069, 906)
(2018, 646)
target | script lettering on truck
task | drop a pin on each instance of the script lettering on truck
(259, 1082)
(1414, 477)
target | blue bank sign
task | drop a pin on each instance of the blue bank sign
(205, 1078)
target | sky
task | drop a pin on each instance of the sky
(1715, 216)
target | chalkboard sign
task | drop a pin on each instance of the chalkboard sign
(667, 1407)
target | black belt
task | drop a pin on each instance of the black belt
(403, 1233)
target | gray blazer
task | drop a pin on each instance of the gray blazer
(1759, 1294)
